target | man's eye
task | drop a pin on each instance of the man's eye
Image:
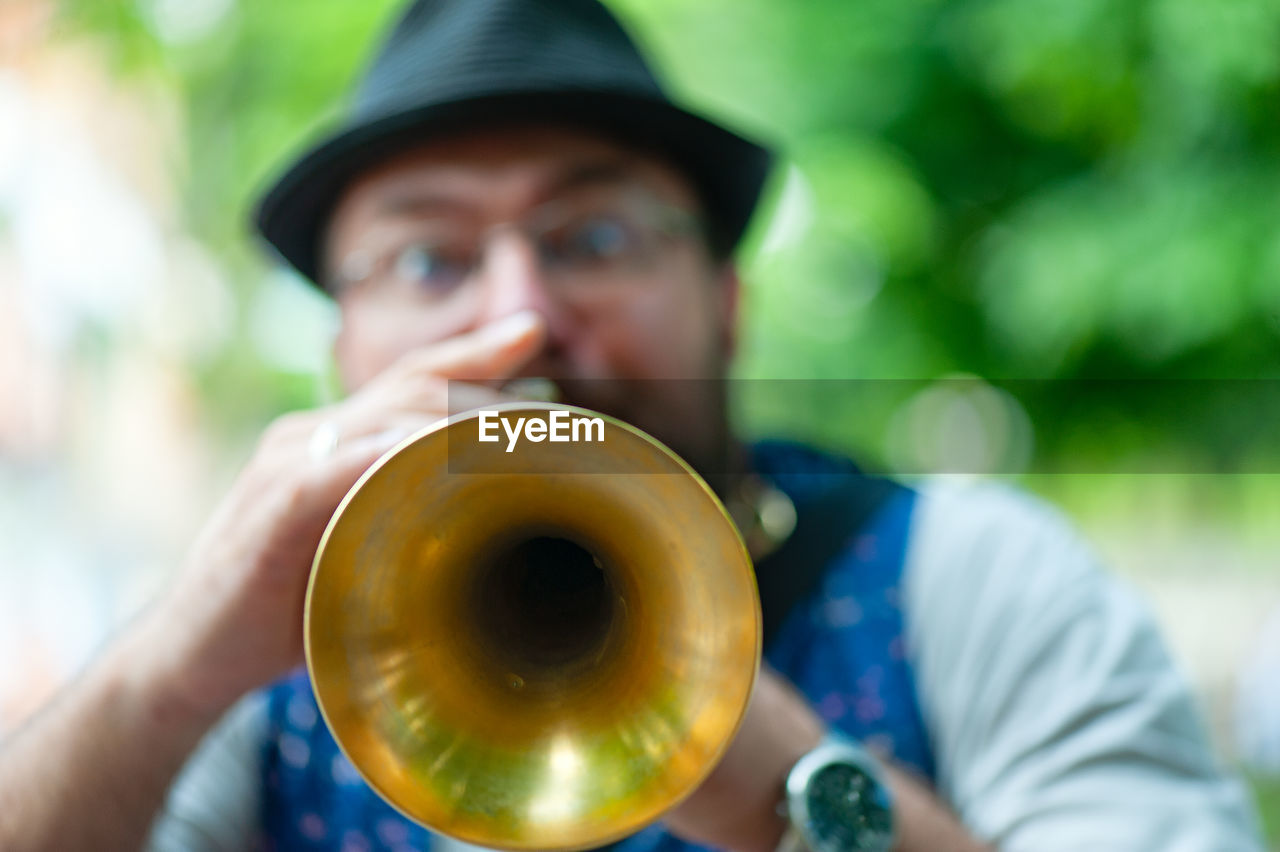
(431, 267)
(599, 239)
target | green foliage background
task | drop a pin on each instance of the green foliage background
(1048, 189)
(1006, 188)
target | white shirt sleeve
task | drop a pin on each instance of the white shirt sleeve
(1058, 720)
(1258, 702)
(213, 804)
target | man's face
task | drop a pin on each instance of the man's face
(596, 238)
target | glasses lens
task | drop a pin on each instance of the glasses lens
(432, 268)
(592, 240)
(608, 231)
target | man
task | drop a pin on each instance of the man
(515, 197)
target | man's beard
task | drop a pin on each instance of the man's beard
(690, 416)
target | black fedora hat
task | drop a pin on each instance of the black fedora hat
(456, 64)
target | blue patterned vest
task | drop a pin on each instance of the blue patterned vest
(843, 648)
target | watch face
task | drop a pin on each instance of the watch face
(847, 810)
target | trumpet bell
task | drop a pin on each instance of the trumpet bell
(546, 648)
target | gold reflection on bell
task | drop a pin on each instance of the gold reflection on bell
(540, 649)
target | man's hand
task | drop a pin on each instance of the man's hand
(234, 620)
(736, 808)
(90, 771)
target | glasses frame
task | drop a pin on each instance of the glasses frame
(662, 218)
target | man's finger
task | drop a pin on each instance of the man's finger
(430, 396)
(494, 351)
(351, 458)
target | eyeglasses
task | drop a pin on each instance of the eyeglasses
(588, 240)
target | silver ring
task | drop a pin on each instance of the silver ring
(323, 441)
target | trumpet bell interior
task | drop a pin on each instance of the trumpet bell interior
(537, 649)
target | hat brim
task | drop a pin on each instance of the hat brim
(727, 170)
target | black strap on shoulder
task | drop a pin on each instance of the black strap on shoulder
(824, 526)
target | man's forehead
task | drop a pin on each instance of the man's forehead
(515, 165)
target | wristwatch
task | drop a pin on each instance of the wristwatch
(837, 800)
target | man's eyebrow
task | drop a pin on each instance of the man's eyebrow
(403, 201)
(588, 174)
(409, 203)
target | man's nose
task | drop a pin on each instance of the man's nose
(514, 279)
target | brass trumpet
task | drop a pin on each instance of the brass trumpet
(542, 648)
